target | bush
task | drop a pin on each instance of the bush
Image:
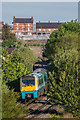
(10, 107)
(63, 51)
(64, 86)
(9, 43)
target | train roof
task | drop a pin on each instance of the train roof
(37, 72)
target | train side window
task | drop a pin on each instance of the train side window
(45, 77)
(40, 81)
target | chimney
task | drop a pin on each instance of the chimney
(39, 21)
(32, 17)
(49, 21)
(13, 18)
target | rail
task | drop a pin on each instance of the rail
(43, 108)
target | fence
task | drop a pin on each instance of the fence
(34, 37)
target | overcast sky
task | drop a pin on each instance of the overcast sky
(43, 11)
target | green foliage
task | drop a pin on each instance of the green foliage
(64, 29)
(55, 117)
(17, 64)
(64, 84)
(9, 43)
(27, 54)
(9, 39)
(6, 33)
(14, 66)
(10, 107)
(35, 44)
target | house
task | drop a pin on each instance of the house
(46, 28)
(23, 26)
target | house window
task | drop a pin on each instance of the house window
(38, 33)
(53, 28)
(17, 29)
(19, 33)
(17, 24)
(49, 29)
(23, 24)
(28, 24)
(48, 33)
(23, 29)
(23, 33)
(30, 33)
(39, 29)
(28, 29)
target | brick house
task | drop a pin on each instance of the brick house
(46, 28)
(23, 26)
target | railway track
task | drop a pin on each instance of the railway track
(30, 101)
(42, 108)
(36, 112)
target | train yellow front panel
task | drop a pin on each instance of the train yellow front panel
(28, 88)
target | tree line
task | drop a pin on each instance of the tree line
(14, 66)
(63, 51)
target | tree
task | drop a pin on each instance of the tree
(65, 28)
(63, 51)
(13, 67)
(6, 33)
(64, 84)
(11, 108)
(18, 63)
(9, 39)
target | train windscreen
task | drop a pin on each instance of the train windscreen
(28, 82)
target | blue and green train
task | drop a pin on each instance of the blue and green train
(34, 84)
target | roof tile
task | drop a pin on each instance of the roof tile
(23, 20)
(48, 25)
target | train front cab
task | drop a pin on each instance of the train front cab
(28, 86)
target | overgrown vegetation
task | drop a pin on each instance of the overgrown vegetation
(35, 44)
(12, 108)
(9, 38)
(14, 66)
(63, 51)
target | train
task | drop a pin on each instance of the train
(34, 84)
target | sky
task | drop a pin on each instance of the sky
(41, 11)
